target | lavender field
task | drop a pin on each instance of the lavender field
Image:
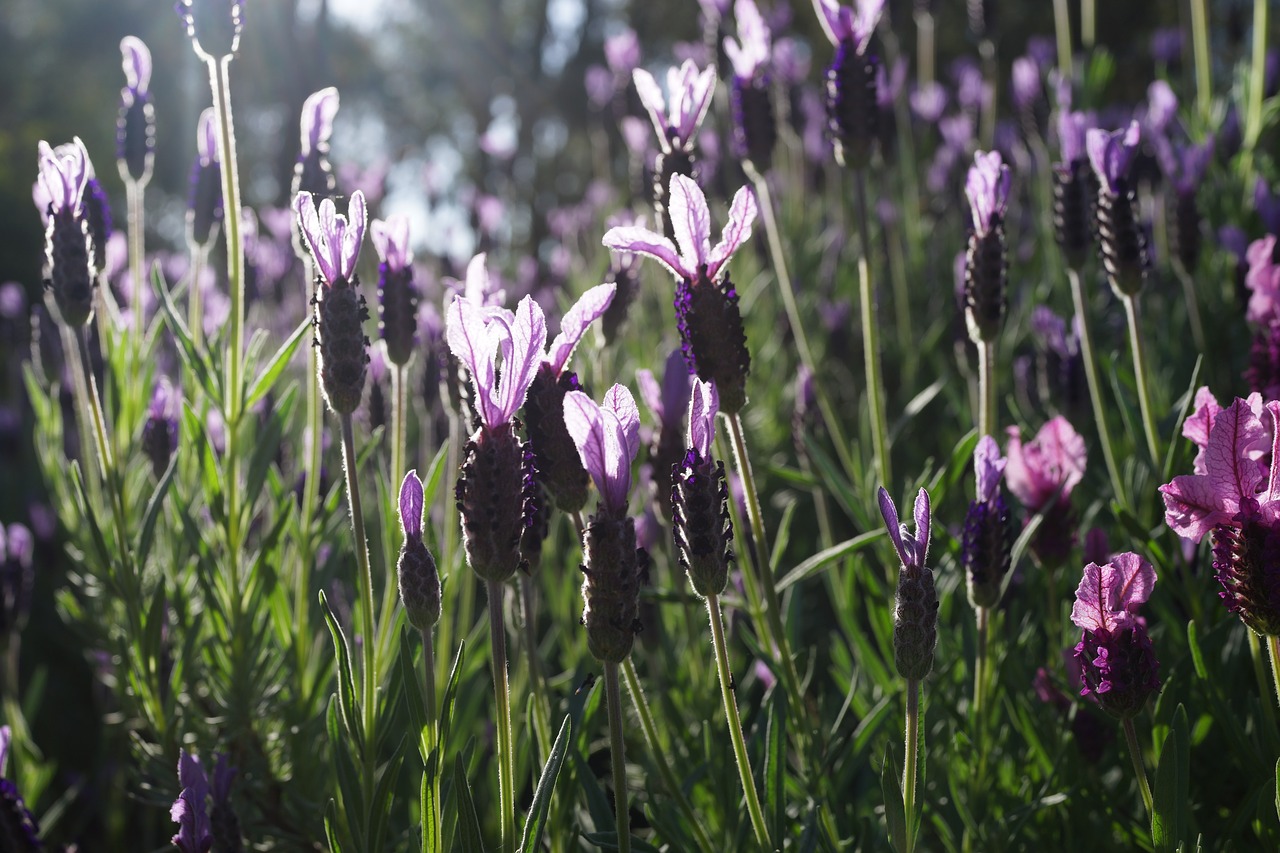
(569, 425)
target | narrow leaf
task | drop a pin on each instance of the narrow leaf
(347, 703)
(271, 372)
(538, 809)
(413, 694)
(1173, 785)
(468, 821)
(147, 534)
(775, 766)
(894, 813)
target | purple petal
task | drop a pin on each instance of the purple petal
(749, 55)
(1162, 106)
(1088, 613)
(304, 207)
(64, 172)
(618, 400)
(863, 25)
(703, 405)
(675, 388)
(479, 287)
(988, 467)
(411, 500)
(890, 514)
(1236, 443)
(353, 234)
(391, 239)
(642, 241)
(1111, 153)
(690, 93)
(690, 222)
(834, 22)
(923, 528)
(987, 188)
(653, 102)
(137, 64)
(583, 420)
(651, 393)
(621, 426)
(1192, 506)
(318, 112)
(1072, 129)
(742, 213)
(522, 355)
(207, 138)
(589, 307)
(6, 735)
(469, 339)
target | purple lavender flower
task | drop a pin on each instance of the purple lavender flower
(1026, 83)
(750, 91)
(988, 528)
(334, 241)
(69, 249)
(987, 257)
(1118, 665)
(1166, 45)
(313, 172)
(852, 105)
(1074, 187)
(929, 101)
(416, 568)
(668, 403)
(222, 817)
(204, 203)
(1122, 241)
(915, 603)
(1185, 168)
(136, 126)
(622, 53)
(160, 432)
(190, 810)
(700, 500)
(213, 25)
(607, 438)
(1162, 108)
(493, 491)
(714, 343)
(23, 833)
(397, 293)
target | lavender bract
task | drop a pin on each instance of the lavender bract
(986, 257)
(750, 90)
(668, 402)
(1122, 240)
(190, 809)
(852, 109)
(915, 602)
(676, 121)
(416, 569)
(136, 125)
(313, 173)
(987, 541)
(713, 340)
(69, 248)
(397, 293)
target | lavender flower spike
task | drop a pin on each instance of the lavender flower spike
(334, 239)
(986, 256)
(416, 569)
(69, 246)
(913, 549)
(755, 131)
(677, 120)
(700, 500)
(1112, 153)
(318, 112)
(1117, 662)
(846, 25)
(475, 335)
(988, 468)
(397, 294)
(987, 188)
(1122, 240)
(988, 528)
(63, 175)
(190, 810)
(851, 79)
(204, 205)
(137, 65)
(915, 602)
(749, 53)
(391, 239)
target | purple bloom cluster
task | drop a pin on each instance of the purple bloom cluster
(1118, 665)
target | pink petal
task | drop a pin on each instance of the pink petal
(833, 23)
(690, 222)
(619, 401)
(1134, 578)
(742, 213)
(589, 307)
(470, 341)
(1193, 506)
(1088, 612)
(1236, 443)
(1197, 427)
(642, 241)
(651, 393)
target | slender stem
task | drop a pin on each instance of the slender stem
(133, 198)
(302, 595)
(735, 724)
(660, 757)
(1200, 46)
(1095, 388)
(1264, 685)
(195, 304)
(1257, 82)
(106, 463)
(1140, 375)
(793, 312)
(541, 719)
(1273, 648)
(924, 44)
(1088, 23)
(871, 336)
(365, 582)
(1135, 753)
(912, 756)
(1062, 27)
(986, 387)
(219, 80)
(991, 75)
(399, 411)
(980, 665)
(80, 388)
(433, 725)
(1193, 306)
(618, 755)
(502, 695)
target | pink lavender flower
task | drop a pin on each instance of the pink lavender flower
(416, 568)
(607, 438)
(69, 248)
(190, 810)
(706, 301)
(1118, 665)
(340, 309)
(213, 25)
(915, 602)
(700, 500)
(852, 106)
(136, 125)
(988, 536)
(986, 257)
(204, 203)
(1042, 475)
(313, 172)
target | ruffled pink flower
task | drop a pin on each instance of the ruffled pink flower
(1263, 281)
(1108, 596)
(1045, 469)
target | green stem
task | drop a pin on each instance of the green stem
(924, 44)
(502, 696)
(1095, 388)
(660, 757)
(871, 337)
(735, 724)
(541, 714)
(1193, 306)
(133, 198)
(1139, 769)
(1257, 81)
(986, 387)
(1200, 46)
(793, 312)
(303, 596)
(1062, 27)
(1088, 23)
(1140, 376)
(991, 74)
(1273, 649)
(195, 305)
(912, 757)
(1264, 685)
(433, 725)
(399, 410)
(980, 665)
(617, 755)
(365, 579)
(219, 81)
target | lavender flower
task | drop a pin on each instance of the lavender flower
(1118, 665)
(1185, 167)
(69, 249)
(915, 603)
(160, 431)
(852, 111)
(190, 810)
(677, 122)
(22, 833)
(397, 293)
(416, 568)
(607, 438)
(213, 25)
(1042, 474)
(750, 91)
(714, 343)
(1026, 83)
(222, 817)
(988, 528)
(493, 491)
(668, 404)
(136, 126)
(625, 275)
(622, 53)
(987, 256)
(313, 173)
(700, 500)
(1122, 241)
(1074, 187)
(334, 241)
(204, 203)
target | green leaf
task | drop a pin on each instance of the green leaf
(86, 509)
(413, 693)
(1197, 656)
(331, 826)
(450, 696)
(347, 703)
(894, 812)
(147, 534)
(382, 798)
(822, 559)
(468, 820)
(783, 536)
(348, 776)
(429, 798)
(609, 841)
(1173, 784)
(275, 367)
(192, 359)
(775, 766)
(537, 820)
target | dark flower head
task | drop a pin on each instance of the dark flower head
(852, 25)
(416, 569)
(213, 25)
(689, 92)
(1112, 153)
(915, 610)
(987, 188)
(397, 292)
(190, 810)
(204, 205)
(160, 431)
(135, 127)
(700, 500)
